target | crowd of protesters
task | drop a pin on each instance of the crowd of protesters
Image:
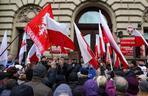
(57, 77)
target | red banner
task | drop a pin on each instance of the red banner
(127, 51)
(127, 42)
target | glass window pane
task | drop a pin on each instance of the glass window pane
(90, 17)
(146, 36)
(87, 38)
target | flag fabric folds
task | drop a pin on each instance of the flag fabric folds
(23, 48)
(33, 54)
(45, 31)
(57, 33)
(36, 29)
(139, 39)
(102, 45)
(112, 41)
(87, 55)
(97, 48)
(117, 62)
(4, 55)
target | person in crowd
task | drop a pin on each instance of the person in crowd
(121, 85)
(72, 67)
(9, 84)
(143, 86)
(142, 65)
(51, 74)
(134, 67)
(22, 90)
(63, 90)
(44, 62)
(91, 72)
(78, 91)
(110, 87)
(62, 68)
(91, 88)
(101, 82)
(29, 71)
(133, 85)
(39, 88)
(82, 75)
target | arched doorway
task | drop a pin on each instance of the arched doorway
(87, 21)
(22, 17)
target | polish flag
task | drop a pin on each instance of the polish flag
(112, 41)
(139, 39)
(23, 48)
(33, 54)
(87, 55)
(57, 33)
(102, 45)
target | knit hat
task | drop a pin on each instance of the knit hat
(39, 70)
(132, 85)
(90, 88)
(22, 90)
(63, 89)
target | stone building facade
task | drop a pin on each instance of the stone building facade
(14, 15)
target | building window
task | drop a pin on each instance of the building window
(146, 37)
(89, 17)
(87, 21)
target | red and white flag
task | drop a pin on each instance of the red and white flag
(112, 41)
(23, 48)
(139, 39)
(97, 48)
(35, 25)
(88, 56)
(117, 62)
(3, 51)
(57, 33)
(33, 54)
(102, 45)
(108, 53)
(45, 31)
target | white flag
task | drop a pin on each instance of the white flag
(4, 56)
(23, 48)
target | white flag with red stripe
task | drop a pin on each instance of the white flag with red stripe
(102, 45)
(23, 48)
(88, 56)
(139, 39)
(112, 41)
(3, 51)
(33, 54)
(57, 33)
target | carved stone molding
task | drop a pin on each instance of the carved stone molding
(145, 16)
(27, 13)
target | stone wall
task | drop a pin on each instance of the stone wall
(124, 12)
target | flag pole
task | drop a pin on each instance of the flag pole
(9, 45)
